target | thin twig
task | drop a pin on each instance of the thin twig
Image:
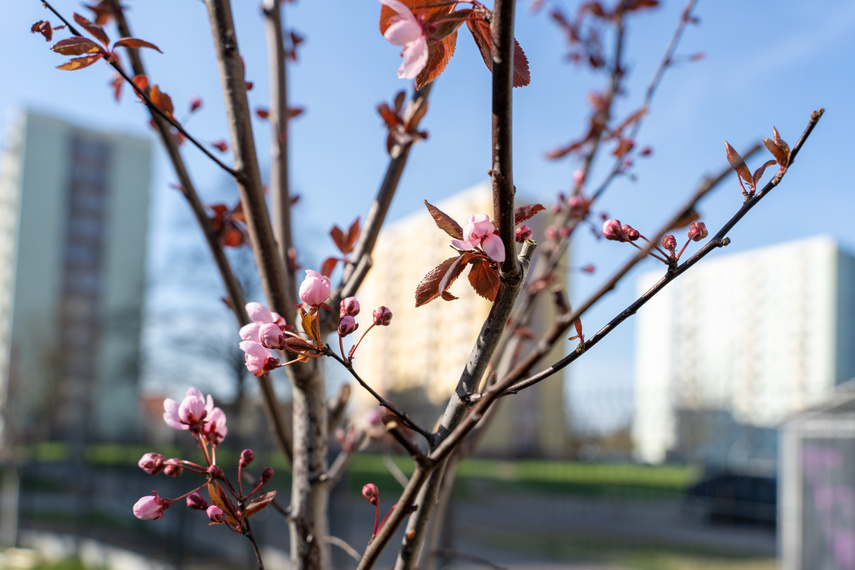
(336, 541)
(154, 109)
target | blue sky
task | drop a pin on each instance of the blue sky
(766, 63)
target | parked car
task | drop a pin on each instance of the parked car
(733, 498)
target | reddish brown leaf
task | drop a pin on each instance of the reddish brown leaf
(258, 503)
(135, 43)
(161, 100)
(400, 97)
(439, 54)
(195, 103)
(428, 289)
(737, 163)
(328, 266)
(295, 112)
(220, 145)
(103, 11)
(141, 81)
(76, 46)
(262, 113)
(80, 62)
(577, 324)
(96, 31)
(337, 235)
(118, 82)
(454, 271)
(481, 33)
(484, 279)
(391, 119)
(218, 497)
(44, 28)
(444, 221)
(759, 172)
(524, 213)
(352, 234)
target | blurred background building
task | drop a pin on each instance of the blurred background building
(74, 205)
(417, 362)
(735, 346)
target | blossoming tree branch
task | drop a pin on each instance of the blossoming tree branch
(302, 310)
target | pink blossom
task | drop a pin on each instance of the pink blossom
(612, 230)
(478, 231)
(669, 242)
(349, 306)
(372, 493)
(271, 336)
(216, 514)
(190, 413)
(405, 29)
(382, 316)
(259, 360)
(215, 428)
(150, 507)
(152, 463)
(196, 501)
(315, 288)
(698, 231)
(266, 327)
(346, 325)
(630, 232)
(173, 468)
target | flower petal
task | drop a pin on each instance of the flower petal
(493, 246)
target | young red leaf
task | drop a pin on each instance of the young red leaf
(96, 31)
(481, 33)
(80, 62)
(444, 221)
(777, 138)
(262, 113)
(135, 43)
(439, 54)
(428, 289)
(220, 145)
(577, 324)
(524, 213)
(352, 234)
(118, 82)
(759, 172)
(76, 46)
(218, 497)
(737, 163)
(328, 266)
(337, 235)
(484, 279)
(258, 503)
(454, 271)
(103, 11)
(161, 100)
(400, 97)
(44, 28)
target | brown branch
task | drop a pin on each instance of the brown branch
(719, 240)
(502, 35)
(143, 94)
(278, 426)
(278, 118)
(271, 266)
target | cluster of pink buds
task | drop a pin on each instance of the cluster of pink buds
(479, 234)
(347, 324)
(667, 252)
(208, 425)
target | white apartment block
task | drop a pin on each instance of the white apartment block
(73, 219)
(750, 337)
(418, 359)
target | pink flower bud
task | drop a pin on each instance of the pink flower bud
(216, 472)
(150, 507)
(271, 336)
(698, 231)
(315, 288)
(152, 463)
(589, 268)
(216, 514)
(372, 493)
(522, 233)
(195, 501)
(258, 359)
(565, 232)
(612, 230)
(266, 475)
(579, 178)
(551, 233)
(349, 306)
(669, 242)
(346, 325)
(246, 457)
(630, 232)
(382, 316)
(173, 468)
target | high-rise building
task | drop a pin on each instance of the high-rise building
(73, 217)
(733, 347)
(417, 361)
